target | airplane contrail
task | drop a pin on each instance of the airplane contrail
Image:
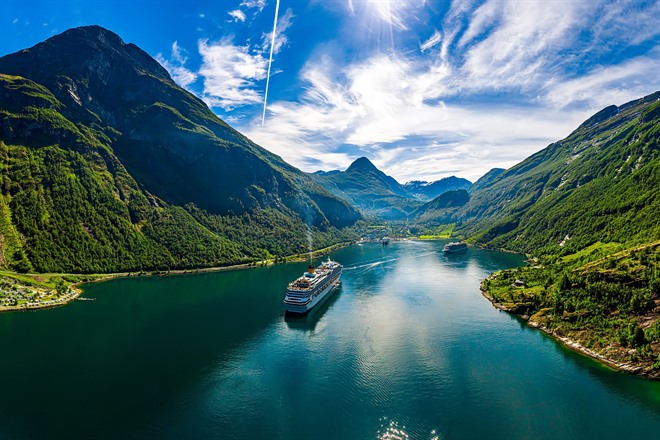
(270, 60)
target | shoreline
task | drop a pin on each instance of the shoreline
(59, 302)
(76, 291)
(626, 367)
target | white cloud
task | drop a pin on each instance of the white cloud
(379, 108)
(176, 66)
(258, 4)
(390, 12)
(517, 52)
(433, 41)
(230, 73)
(609, 85)
(179, 54)
(632, 21)
(482, 18)
(283, 23)
(411, 114)
(237, 15)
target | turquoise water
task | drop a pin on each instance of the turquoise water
(406, 348)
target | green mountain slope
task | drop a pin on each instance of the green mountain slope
(589, 208)
(370, 190)
(108, 165)
(486, 179)
(442, 208)
(601, 183)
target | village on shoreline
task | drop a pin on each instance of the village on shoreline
(21, 292)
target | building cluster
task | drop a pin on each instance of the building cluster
(14, 295)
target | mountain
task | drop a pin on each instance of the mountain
(108, 165)
(486, 179)
(587, 209)
(601, 183)
(442, 208)
(370, 190)
(430, 190)
(327, 173)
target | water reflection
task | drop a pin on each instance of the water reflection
(308, 322)
(408, 335)
(621, 384)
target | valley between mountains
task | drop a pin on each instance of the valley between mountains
(109, 166)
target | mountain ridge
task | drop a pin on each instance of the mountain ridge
(83, 110)
(608, 167)
(370, 190)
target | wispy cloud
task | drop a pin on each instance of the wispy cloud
(237, 15)
(433, 41)
(380, 109)
(630, 21)
(229, 73)
(176, 66)
(536, 69)
(608, 85)
(392, 13)
(520, 45)
(257, 4)
(281, 40)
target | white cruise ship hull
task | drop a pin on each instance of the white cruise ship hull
(454, 248)
(302, 305)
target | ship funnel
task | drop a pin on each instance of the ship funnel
(310, 269)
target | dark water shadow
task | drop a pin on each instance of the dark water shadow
(634, 389)
(309, 321)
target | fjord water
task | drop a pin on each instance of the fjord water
(406, 348)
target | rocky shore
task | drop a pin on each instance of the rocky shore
(614, 358)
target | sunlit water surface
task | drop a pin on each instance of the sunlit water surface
(406, 348)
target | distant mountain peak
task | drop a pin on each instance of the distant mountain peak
(424, 190)
(363, 164)
(77, 51)
(93, 32)
(416, 183)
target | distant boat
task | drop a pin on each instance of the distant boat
(452, 248)
(385, 240)
(312, 287)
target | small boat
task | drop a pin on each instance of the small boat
(452, 248)
(385, 240)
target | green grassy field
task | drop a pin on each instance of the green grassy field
(441, 232)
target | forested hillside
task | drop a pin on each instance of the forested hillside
(442, 208)
(108, 165)
(605, 298)
(601, 183)
(588, 209)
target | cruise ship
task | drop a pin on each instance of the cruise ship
(312, 287)
(457, 246)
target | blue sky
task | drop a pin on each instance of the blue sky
(424, 88)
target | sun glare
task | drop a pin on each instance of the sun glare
(390, 11)
(383, 19)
